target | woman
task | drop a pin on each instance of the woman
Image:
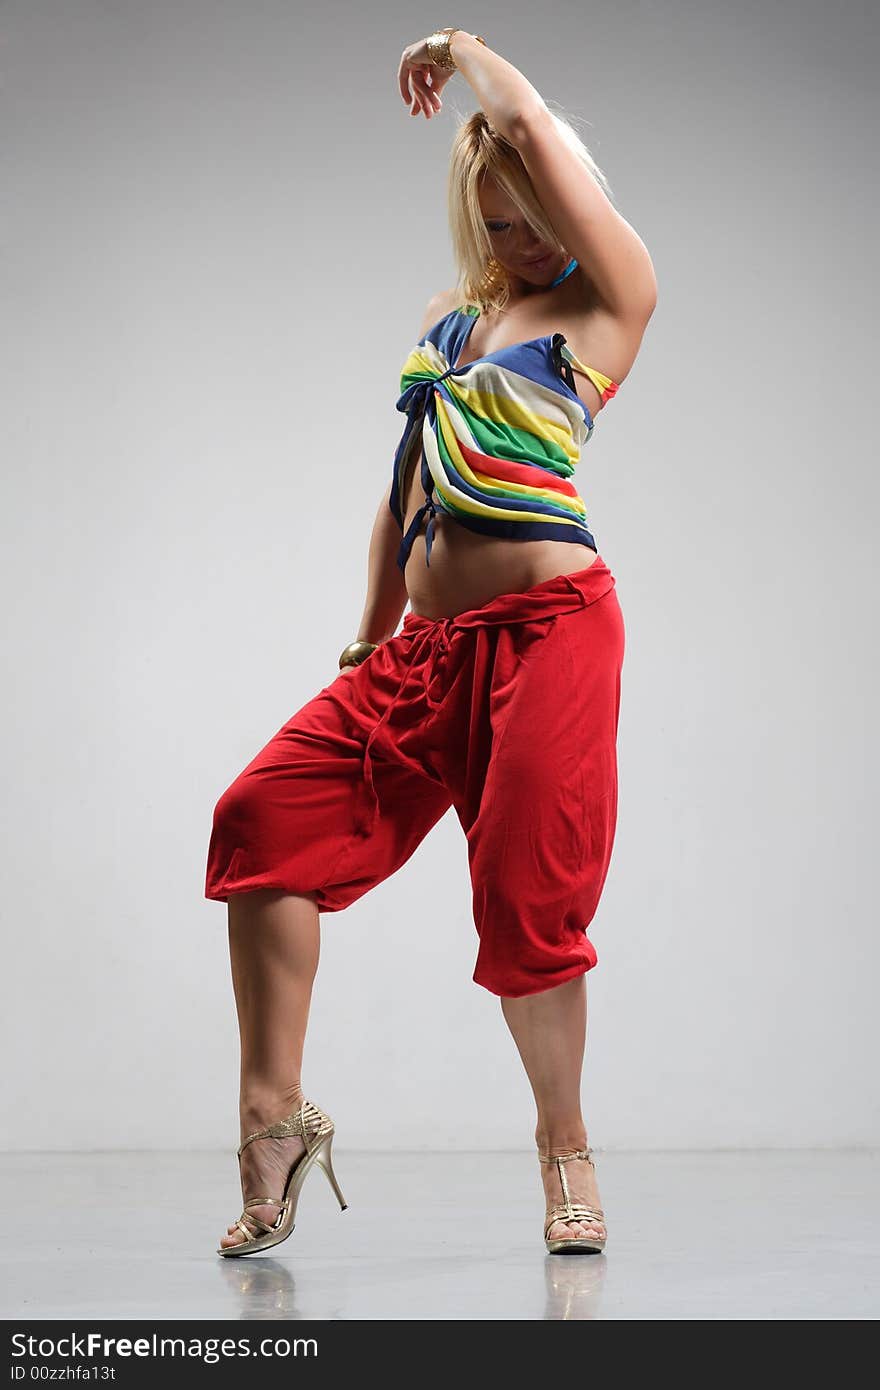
(500, 696)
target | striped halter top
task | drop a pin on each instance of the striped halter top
(500, 436)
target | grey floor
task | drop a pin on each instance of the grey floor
(762, 1234)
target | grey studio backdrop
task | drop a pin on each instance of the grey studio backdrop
(221, 228)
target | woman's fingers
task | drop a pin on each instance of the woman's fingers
(406, 73)
(428, 99)
(403, 81)
(419, 88)
(417, 91)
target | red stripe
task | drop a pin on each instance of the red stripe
(506, 471)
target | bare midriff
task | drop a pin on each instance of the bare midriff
(468, 569)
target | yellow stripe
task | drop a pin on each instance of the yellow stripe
(599, 379)
(450, 439)
(460, 502)
(426, 360)
(507, 410)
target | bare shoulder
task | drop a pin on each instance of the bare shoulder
(438, 306)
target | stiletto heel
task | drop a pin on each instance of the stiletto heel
(316, 1129)
(572, 1211)
(325, 1162)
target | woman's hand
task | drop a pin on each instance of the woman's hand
(420, 81)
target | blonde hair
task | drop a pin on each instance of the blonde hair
(477, 150)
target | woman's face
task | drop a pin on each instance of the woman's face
(514, 245)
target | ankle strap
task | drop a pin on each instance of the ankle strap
(308, 1122)
(564, 1158)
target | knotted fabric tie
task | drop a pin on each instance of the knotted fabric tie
(421, 394)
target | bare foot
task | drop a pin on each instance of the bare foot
(581, 1178)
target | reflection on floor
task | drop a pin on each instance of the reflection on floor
(760, 1234)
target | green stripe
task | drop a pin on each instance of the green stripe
(495, 437)
(502, 489)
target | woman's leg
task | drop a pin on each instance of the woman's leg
(550, 1030)
(274, 946)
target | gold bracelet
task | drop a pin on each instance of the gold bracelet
(355, 653)
(439, 51)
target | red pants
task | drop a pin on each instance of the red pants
(507, 712)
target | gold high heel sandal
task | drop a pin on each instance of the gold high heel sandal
(572, 1211)
(316, 1130)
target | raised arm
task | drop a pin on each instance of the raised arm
(586, 221)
